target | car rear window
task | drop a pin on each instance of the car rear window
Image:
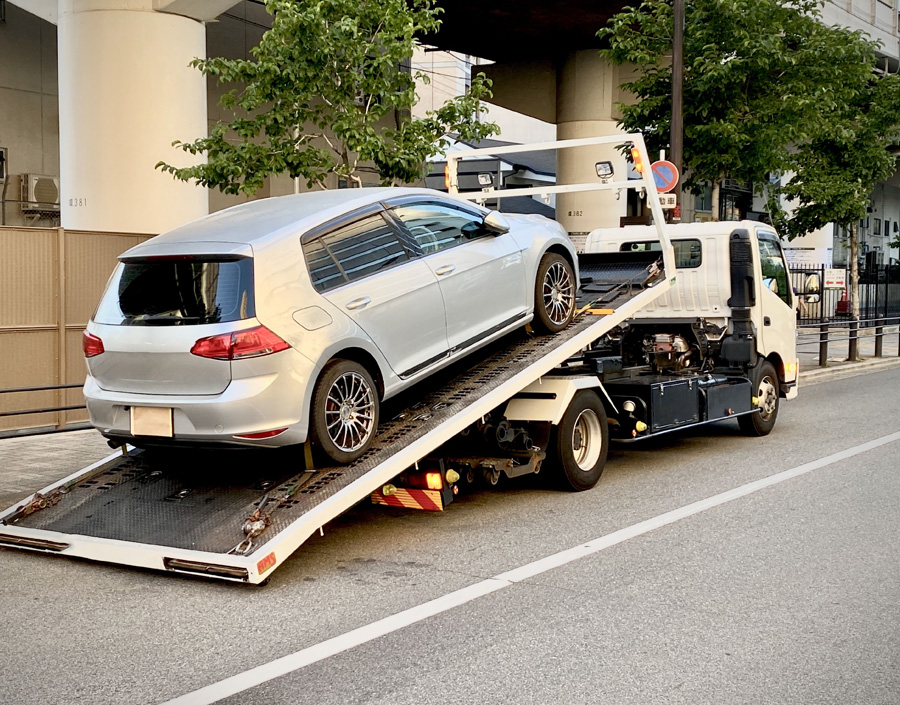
(178, 292)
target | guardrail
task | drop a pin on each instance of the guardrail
(856, 331)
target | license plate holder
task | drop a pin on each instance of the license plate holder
(151, 421)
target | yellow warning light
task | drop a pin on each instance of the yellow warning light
(434, 480)
(452, 476)
(447, 177)
(637, 159)
(755, 401)
(388, 490)
(640, 427)
(792, 367)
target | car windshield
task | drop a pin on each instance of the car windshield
(178, 291)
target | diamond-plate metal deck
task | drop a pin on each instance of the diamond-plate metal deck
(199, 500)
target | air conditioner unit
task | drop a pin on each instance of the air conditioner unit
(40, 193)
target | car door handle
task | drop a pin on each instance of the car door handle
(359, 303)
(441, 271)
(767, 321)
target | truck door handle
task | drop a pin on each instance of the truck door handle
(441, 271)
(359, 303)
(767, 321)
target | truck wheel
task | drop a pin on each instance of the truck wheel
(554, 294)
(344, 411)
(765, 384)
(580, 443)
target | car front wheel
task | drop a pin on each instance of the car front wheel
(344, 411)
(554, 294)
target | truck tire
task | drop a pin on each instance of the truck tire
(554, 294)
(765, 386)
(345, 409)
(579, 443)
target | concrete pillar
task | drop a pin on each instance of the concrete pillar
(125, 93)
(587, 90)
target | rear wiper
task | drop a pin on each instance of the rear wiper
(162, 318)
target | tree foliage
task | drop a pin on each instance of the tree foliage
(835, 172)
(324, 94)
(759, 77)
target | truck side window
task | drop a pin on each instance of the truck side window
(774, 272)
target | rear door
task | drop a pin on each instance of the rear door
(482, 274)
(364, 268)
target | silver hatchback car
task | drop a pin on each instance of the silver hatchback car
(292, 318)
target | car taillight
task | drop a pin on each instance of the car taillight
(91, 344)
(254, 342)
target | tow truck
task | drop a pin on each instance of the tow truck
(659, 343)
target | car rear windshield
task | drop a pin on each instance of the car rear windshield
(178, 292)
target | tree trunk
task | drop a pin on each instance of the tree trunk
(714, 199)
(854, 272)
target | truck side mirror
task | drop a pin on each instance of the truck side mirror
(811, 284)
(812, 298)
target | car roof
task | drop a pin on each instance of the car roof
(256, 221)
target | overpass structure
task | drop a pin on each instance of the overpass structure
(126, 92)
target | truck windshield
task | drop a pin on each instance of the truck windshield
(178, 291)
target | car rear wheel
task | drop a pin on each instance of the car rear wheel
(554, 294)
(344, 411)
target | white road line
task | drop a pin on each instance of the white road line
(344, 642)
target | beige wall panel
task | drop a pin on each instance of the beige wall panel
(27, 277)
(29, 360)
(90, 259)
(75, 372)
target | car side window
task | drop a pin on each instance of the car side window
(353, 251)
(438, 226)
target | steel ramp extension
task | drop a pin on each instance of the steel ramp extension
(185, 511)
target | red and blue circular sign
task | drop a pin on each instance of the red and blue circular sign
(665, 175)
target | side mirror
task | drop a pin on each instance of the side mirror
(811, 284)
(812, 298)
(496, 223)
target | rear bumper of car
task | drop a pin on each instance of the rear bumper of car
(274, 400)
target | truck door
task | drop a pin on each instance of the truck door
(777, 321)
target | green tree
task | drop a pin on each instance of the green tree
(759, 77)
(324, 94)
(834, 174)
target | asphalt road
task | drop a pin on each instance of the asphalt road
(788, 594)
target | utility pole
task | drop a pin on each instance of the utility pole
(676, 133)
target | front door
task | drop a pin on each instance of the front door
(777, 325)
(482, 274)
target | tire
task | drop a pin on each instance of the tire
(554, 294)
(345, 409)
(766, 389)
(580, 443)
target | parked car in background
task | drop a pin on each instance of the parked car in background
(293, 318)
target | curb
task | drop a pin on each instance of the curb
(849, 369)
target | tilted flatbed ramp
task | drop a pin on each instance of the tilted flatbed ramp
(185, 511)
(236, 515)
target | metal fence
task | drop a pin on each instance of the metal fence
(50, 282)
(879, 294)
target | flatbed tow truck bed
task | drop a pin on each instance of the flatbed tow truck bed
(238, 514)
(185, 511)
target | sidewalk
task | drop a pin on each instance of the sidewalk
(838, 350)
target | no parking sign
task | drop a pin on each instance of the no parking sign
(665, 175)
